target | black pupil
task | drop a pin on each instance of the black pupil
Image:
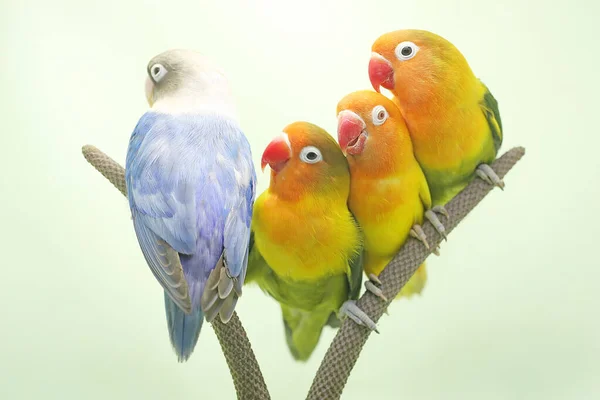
(381, 114)
(156, 70)
(311, 155)
(406, 51)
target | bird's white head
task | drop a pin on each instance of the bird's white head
(184, 81)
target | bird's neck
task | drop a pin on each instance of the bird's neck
(193, 102)
(390, 155)
(437, 92)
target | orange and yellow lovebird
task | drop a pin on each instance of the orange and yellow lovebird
(306, 247)
(389, 195)
(452, 117)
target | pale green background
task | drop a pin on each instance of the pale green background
(511, 308)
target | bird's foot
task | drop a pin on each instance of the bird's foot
(350, 309)
(370, 286)
(417, 232)
(441, 210)
(486, 173)
(375, 278)
(431, 215)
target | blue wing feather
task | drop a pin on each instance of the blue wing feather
(191, 187)
(156, 185)
(190, 181)
(237, 226)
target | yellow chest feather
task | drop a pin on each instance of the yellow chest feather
(304, 240)
(449, 137)
(386, 209)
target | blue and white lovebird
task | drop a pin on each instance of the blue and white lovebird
(191, 187)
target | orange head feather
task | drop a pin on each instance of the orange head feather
(372, 132)
(419, 67)
(306, 160)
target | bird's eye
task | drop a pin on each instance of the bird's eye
(379, 115)
(406, 51)
(310, 155)
(158, 72)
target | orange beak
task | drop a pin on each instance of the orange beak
(277, 153)
(381, 72)
(351, 132)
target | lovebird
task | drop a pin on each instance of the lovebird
(307, 247)
(191, 185)
(389, 194)
(452, 117)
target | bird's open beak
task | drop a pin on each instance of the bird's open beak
(351, 132)
(381, 72)
(277, 153)
(149, 90)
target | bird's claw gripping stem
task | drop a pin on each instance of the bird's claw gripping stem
(486, 173)
(417, 232)
(441, 210)
(375, 290)
(350, 309)
(370, 286)
(435, 221)
(374, 278)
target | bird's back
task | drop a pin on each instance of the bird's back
(451, 139)
(187, 174)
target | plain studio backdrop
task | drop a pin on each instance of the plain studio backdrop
(510, 310)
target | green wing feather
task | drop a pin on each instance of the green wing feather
(355, 273)
(489, 105)
(256, 263)
(355, 276)
(306, 306)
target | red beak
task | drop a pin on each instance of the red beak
(381, 72)
(277, 153)
(350, 132)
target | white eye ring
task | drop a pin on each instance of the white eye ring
(379, 115)
(310, 155)
(406, 50)
(158, 72)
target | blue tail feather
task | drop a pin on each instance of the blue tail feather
(183, 329)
